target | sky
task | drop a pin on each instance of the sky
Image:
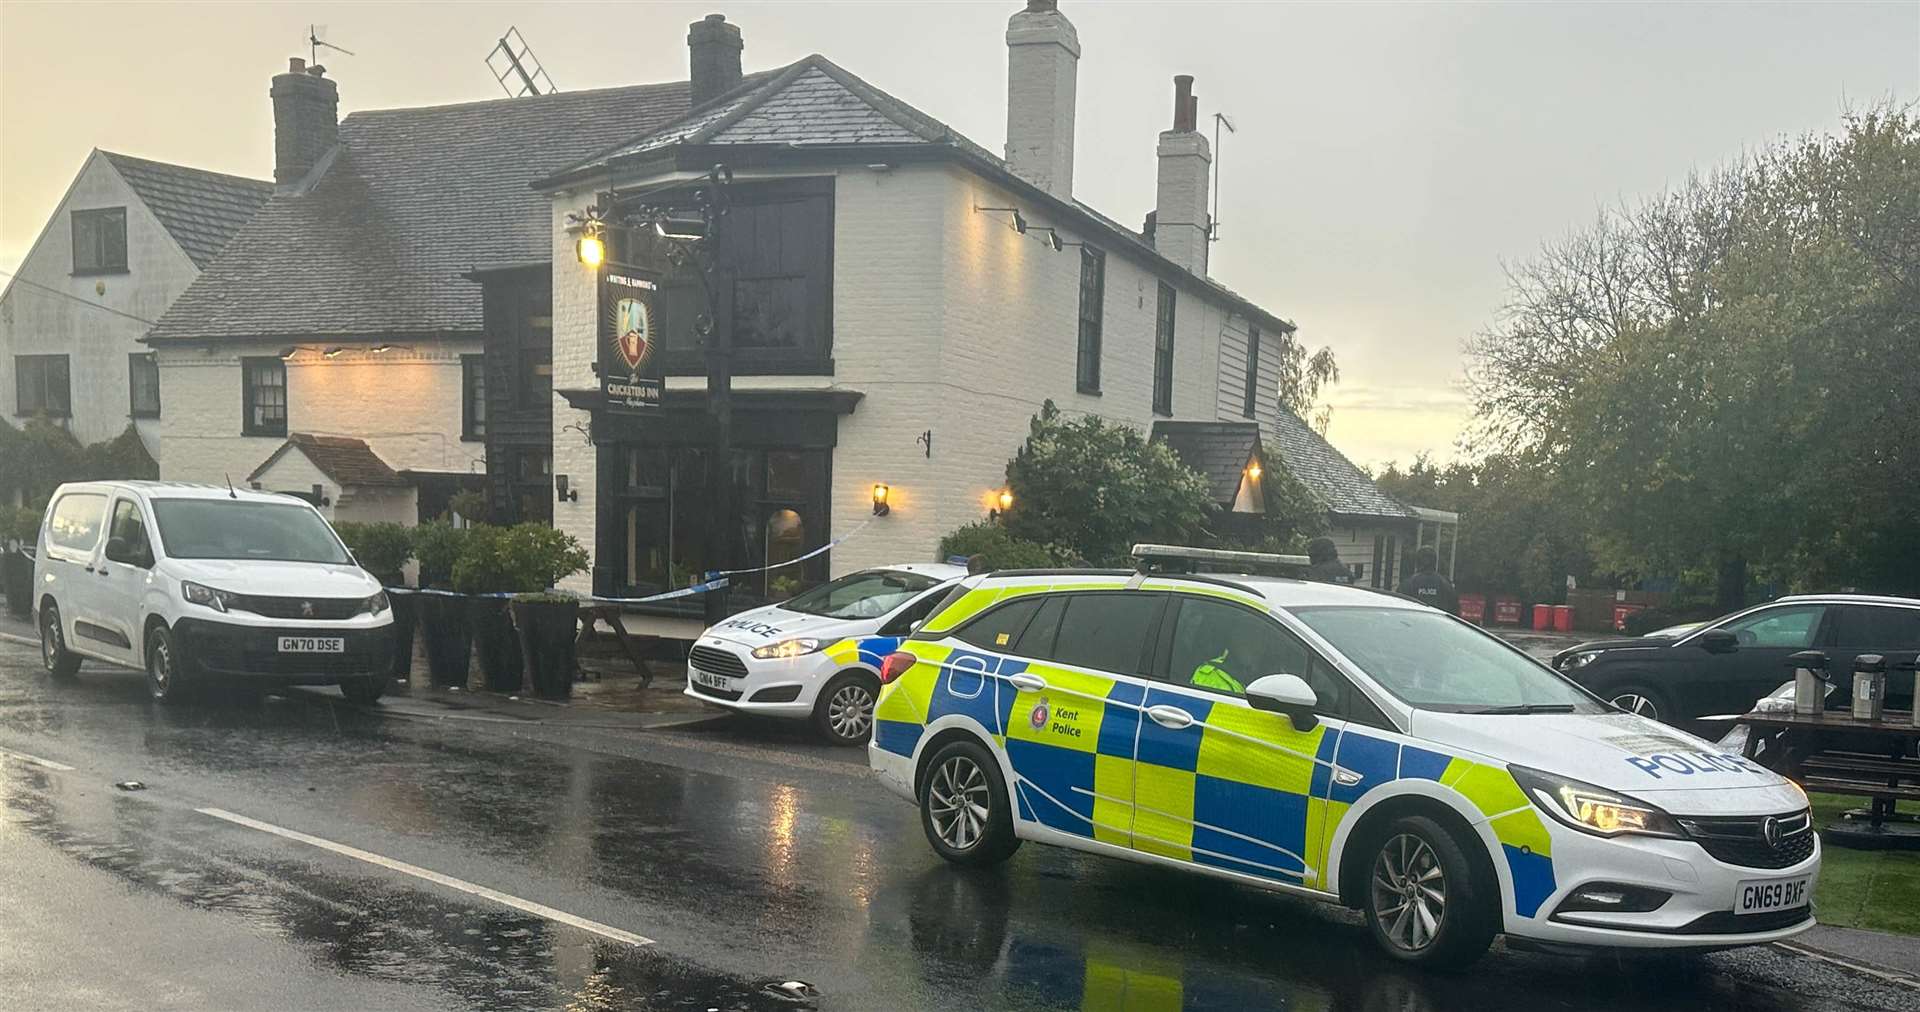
(1389, 160)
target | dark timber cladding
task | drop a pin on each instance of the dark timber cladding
(518, 363)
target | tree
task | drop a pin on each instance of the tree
(1520, 531)
(1090, 489)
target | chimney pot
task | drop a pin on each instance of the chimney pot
(1043, 63)
(1185, 107)
(713, 56)
(296, 65)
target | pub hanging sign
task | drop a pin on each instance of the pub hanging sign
(630, 333)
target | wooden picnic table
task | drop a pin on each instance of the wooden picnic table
(1834, 752)
(593, 614)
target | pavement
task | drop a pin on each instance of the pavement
(295, 851)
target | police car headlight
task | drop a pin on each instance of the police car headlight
(788, 648)
(1592, 809)
(1580, 660)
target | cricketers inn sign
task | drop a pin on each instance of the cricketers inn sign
(629, 335)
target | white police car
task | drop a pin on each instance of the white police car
(817, 655)
(1335, 743)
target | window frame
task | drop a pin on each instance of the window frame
(1251, 407)
(1092, 319)
(473, 395)
(249, 391)
(41, 402)
(84, 218)
(1165, 315)
(137, 361)
(1846, 615)
(1149, 644)
(1353, 707)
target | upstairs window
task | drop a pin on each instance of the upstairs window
(473, 397)
(536, 376)
(41, 386)
(143, 385)
(1253, 371)
(1093, 289)
(100, 241)
(1163, 353)
(263, 397)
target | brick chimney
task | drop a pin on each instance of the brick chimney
(1180, 221)
(1043, 63)
(306, 120)
(713, 55)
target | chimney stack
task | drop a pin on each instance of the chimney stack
(713, 53)
(306, 121)
(1043, 62)
(1181, 226)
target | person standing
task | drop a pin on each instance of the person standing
(1325, 565)
(1428, 585)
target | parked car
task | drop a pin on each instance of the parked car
(195, 583)
(1337, 744)
(817, 655)
(1724, 666)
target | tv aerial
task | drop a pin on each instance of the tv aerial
(1220, 119)
(516, 69)
(316, 41)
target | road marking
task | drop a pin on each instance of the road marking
(22, 640)
(1895, 977)
(36, 760)
(525, 906)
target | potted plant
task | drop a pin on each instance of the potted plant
(383, 550)
(481, 572)
(442, 615)
(534, 652)
(19, 529)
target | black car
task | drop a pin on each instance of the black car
(1723, 666)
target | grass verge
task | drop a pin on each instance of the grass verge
(1878, 890)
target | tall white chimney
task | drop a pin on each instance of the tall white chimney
(1043, 62)
(1180, 222)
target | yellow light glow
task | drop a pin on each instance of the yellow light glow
(1253, 471)
(880, 493)
(1006, 500)
(593, 251)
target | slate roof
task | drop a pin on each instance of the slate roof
(347, 461)
(412, 200)
(1329, 475)
(200, 209)
(1218, 450)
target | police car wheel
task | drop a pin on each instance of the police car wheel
(1425, 902)
(844, 711)
(964, 809)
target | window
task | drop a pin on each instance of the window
(1789, 628)
(1106, 632)
(869, 594)
(75, 524)
(1163, 353)
(536, 376)
(1093, 290)
(999, 628)
(264, 397)
(1253, 371)
(100, 241)
(473, 397)
(40, 386)
(1224, 647)
(533, 486)
(1879, 628)
(143, 385)
(1437, 662)
(242, 529)
(130, 530)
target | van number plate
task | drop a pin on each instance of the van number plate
(1760, 896)
(313, 645)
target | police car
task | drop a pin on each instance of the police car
(817, 655)
(1331, 742)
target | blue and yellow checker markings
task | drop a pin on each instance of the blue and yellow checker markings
(867, 650)
(1524, 842)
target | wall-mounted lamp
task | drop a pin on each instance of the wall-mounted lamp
(880, 507)
(1019, 220)
(381, 349)
(1253, 470)
(1005, 499)
(1053, 240)
(926, 439)
(289, 351)
(562, 492)
(333, 352)
(591, 249)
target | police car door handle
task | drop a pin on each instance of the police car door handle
(1170, 716)
(1027, 683)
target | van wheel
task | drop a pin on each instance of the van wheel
(964, 809)
(844, 711)
(364, 691)
(166, 682)
(60, 662)
(1425, 902)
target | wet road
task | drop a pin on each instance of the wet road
(289, 854)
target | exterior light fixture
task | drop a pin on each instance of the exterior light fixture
(1054, 242)
(592, 249)
(289, 351)
(1005, 499)
(1019, 220)
(381, 349)
(562, 492)
(333, 352)
(880, 507)
(1253, 470)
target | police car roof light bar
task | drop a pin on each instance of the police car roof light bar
(1149, 557)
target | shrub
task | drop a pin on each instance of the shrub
(469, 505)
(437, 545)
(382, 549)
(996, 548)
(522, 559)
(18, 524)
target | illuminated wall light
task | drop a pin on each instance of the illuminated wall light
(333, 352)
(1253, 470)
(381, 349)
(1019, 220)
(880, 505)
(591, 249)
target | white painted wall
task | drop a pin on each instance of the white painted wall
(576, 301)
(405, 403)
(34, 321)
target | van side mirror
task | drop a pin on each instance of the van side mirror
(1288, 694)
(1719, 641)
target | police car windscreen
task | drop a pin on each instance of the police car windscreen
(1436, 662)
(868, 594)
(242, 529)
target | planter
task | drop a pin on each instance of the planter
(443, 623)
(548, 631)
(404, 603)
(16, 576)
(496, 642)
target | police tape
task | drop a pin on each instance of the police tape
(796, 560)
(698, 588)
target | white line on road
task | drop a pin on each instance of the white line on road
(22, 640)
(36, 760)
(525, 906)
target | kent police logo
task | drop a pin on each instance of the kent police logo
(1039, 716)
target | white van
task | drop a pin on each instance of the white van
(203, 582)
